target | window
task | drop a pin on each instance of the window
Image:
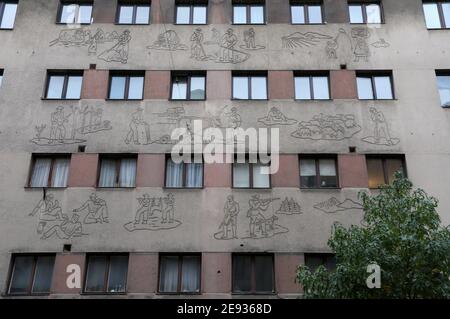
(1, 77)
(126, 86)
(49, 171)
(312, 87)
(375, 86)
(437, 14)
(253, 273)
(250, 87)
(31, 274)
(443, 81)
(75, 12)
(179, 274)
(8, 11)
(251, 175)
(381, 169)
(188, 86)
(245, 12)
(117, 172)
(64, 85)
(365, 12)
(106, 274)
(318, 172)
(313, 261)
(191, 12)
(306, 12)
(184, 175)
(133, 12)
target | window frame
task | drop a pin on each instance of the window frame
(180, 257)
(67, 74)
(2, 12)
(324, 259)
(135, 5)
(317, 159)
(250, 172)
(440, 12)
(372, 76)
(384, 158)
(118, 160)
(53, 158)
(249, 76)
(30, 284)
(253, 290)
(127, 75)
(2, 75)
(79, 3)
(191, 6)
(107, 273)
(168, 157)
(248, 5)
(311, 76)
(188, 75)
(363, 5)
(306, 4)
(438, 74)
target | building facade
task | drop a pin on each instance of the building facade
(90, 202)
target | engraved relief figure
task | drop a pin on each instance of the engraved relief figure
(58, 131)
(139, 132)
(331, 49)
(361, 48)
(226, 118)
(67, 229)
(381, 135)
(289, 207)
(48, 208)
(168, 40)
(97, 210)
(231, 211)
(340, 47)
(258, 222)
(197, 50)
(276, 117)
(227, 44)
(333, 205)
(119, 52)
(250, 41)
(301, 40)
(169, 209)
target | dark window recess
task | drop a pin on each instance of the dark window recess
(8, 10)
(117, 172)
(179, 274)
(381, 169)
(191, 12)
(365, 12)
(75, 12)
(50, 171)
(313, 261)
(253, 273)
(64, 85)
(184, 175)
(126, 86)
(437, 14)
(250, 86)
(320, 172)
(1, 77)
(249, 12)
(189, 86)
(375, 86)
(133, 12)
(106, 274)
(306, 12)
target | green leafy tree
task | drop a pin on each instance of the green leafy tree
(402, 233)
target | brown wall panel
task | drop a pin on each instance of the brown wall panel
(95, 84)
(83, 170)
(157, 85)
(343, 84)
(150, 170)
(353, 171)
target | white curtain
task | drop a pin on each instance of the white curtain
(190, 277)
(174, 174)
(260, 180)
(241, 175)
(169, 274)
(194, 175)
(41, 171)
(327, 167)
(127, 176)
(107, 173)
(60, 172)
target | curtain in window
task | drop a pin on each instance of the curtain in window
(41, 171)
(194, 175)
(190, 277)
(174, 174)
(60, 172)
(127, 177)
(118, 269)
(96, 273)
(43, 274)
(168, 281)
(22, 273)
(107, 173)
(259, 179)
(241, 175)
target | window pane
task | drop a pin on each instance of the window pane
(383, 87)
(136, 88)
(356, 15)
(320, 87)
(107, 173)
(259, 88)
(444, 89)
(257, 14)
(85, 14)
(96, 273)
(308, 172)
(118, 270)
(239, 15)
(392, 166)
(446, 11)
(127, 176)
(242, 273)
(373, 13)
(55, 87)
(241, 176)
(74, 87)
(1, 79)
(298, 14)
(431, 15)
(365, 91)
(375, 172)
(126, 14)
(117, 91)
(179, 88)
(302, 88)
(21, 276)
(41, 171)
(143, 15)
(174, 174)
(168, 276)
(190, 276)
(183, 14)
(194, 174)
(264, 273)
(68, 13)
(260, 180)
(315, 14)
(315, 260)
(43, 275)
(60, 172)
(240, 87)
(327, 171)
(197, 88)
(9, 15)
(199, 15)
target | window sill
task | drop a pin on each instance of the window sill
(366, 23)
(59, 100)
(190, 24)
(178, 293)
(264, 23)
(123, 100)
(434, 29)
(132, 24)
(9, 295)
(45, 187)
(323, 23)
(319, 188)
(273, 293)
(187, 100)
(246, 100)
(253, 188)
(372, 100)
(116, 188)
(313, 100)
(74, 23)
(184, 188)
(6, 29)
(85, 293)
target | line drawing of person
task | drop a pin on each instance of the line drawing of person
(97, 210)
(231, 211)
(143, 211)
(169, 210)
(68, 229)
(139, 131)
(227, 44)
(48, 208)
(362, 50)
(197, 50)
(57, 130)
(249, 38)
(119, 52)
(381, 127)
(257, 206)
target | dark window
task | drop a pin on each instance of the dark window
(31, 274)
(184, 175)
(376, 86)
(75, 12)
(381, 169)
(179, 274)
(306, 12)
(437, 14)
(133, 12)
(188, 86)
(50, 171)
(250, 86)
(312, 86)
(313, 261)
(249, 12)
(365, 12)
(318, 172)
(253, 273)
(443, 81)
(126, 86)
(8, 11)
(191, 12)
(1, 77)
(251, 175)
(106, 274)
(64, 85)
(117, 172)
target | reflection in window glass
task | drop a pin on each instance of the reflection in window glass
(117, 91)
(373, 12)
(241, 176)
(375, 172)
(179, 88)
(126, 14)
(9, 16)
(136, 87)
(22, 275)
(257, 14)
(74, 87)
(302, 88)
(197, 88)
(55, 87)
(383, 87)
(117, 278)
(68, 13)
(365, 90)
(142, 15)
(308, 173)
(96, 272)
(85, 14)
(183, 14)
(239, 15)
(259, 88)
(199, 15)
(444, 89)
(43, 274)
(446, 13)
(356, 14)
(260, 180)
(432, 15)
(393, 166)
(320, 86)
(315, 14)
(240, 87)
(298, 14)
